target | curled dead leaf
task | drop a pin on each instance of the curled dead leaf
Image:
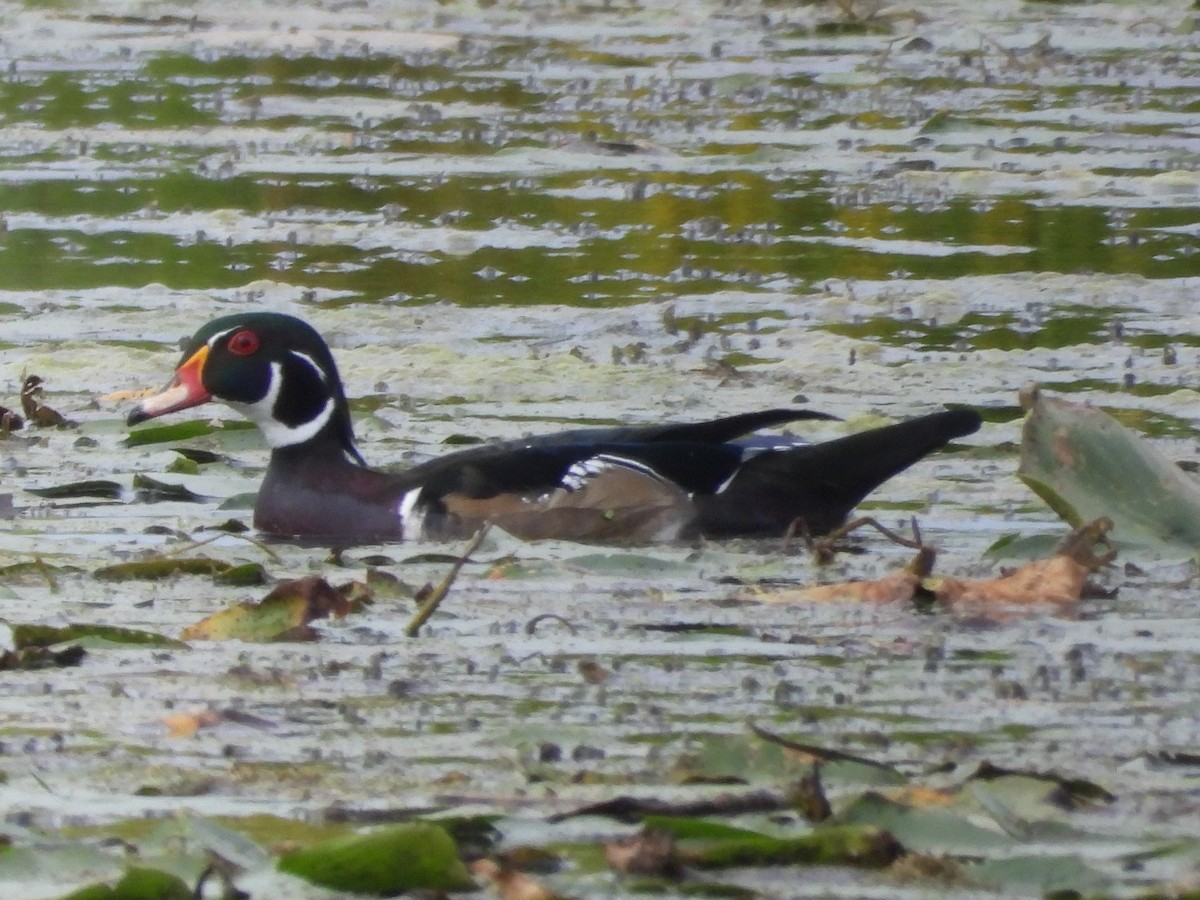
(896, 587)
(1057, 581)
(182, 725)
(511, 884)
(37, 412)
(284, 614)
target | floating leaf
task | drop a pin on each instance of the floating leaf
(461, 440)
(109, 490)
(198, 456)
(1039, 874)
(239, 501)
(33, 635)
(156, 569)
(627, 564)
(926, 830)
(896, 587)
(833, 845)
(386, 586)
(36, 571)
(1059, 791)
(415, 856)
(1086, 466)
(137, 884)
(180, 431)
(184, 466)
(151, 490)
(48, 860)
(697, 829)
(285, 613)
(1058, 581)
(31, 658)
(244, 575)
(1015, 546)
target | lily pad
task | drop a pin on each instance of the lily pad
(749, 758)
(284, 614)
(244, 575)
(926, 830)
(1048, 873)
(180, 431)
(840, 845)
(137, 884)
(1086, 466)
(33, 635)
(109, 490)
(414, 856)
(151, 490)
(156, 569)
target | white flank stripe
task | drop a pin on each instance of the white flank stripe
(581, 472)
(412, 519)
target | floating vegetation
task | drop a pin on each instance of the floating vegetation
(513, 223)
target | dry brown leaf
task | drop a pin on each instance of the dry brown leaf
(37, 412)
(182, 725)
(285, 613)
(896, 587)
(1058, 581)
(509, 883)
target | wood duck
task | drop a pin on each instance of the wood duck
(634, 484)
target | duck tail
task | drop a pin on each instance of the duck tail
(820, 484)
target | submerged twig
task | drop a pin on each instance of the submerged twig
(439, 593)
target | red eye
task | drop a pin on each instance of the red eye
(243, 343)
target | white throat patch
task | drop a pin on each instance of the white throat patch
(262, 412)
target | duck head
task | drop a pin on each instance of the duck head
(274, 369)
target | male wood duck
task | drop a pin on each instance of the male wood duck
(637, 483)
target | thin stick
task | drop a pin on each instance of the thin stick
(194, 545)
(532, 625)
(433, 600)
(823, 548)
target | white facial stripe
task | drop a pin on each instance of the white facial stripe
(277, 434)
(412, 519)
(312, 362)
(212, 341)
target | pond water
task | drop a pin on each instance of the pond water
(510, 216)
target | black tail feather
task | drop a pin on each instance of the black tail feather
(822, 483)
(713, 431)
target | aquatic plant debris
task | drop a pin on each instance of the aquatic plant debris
(1057, 581)
(384, 862)
(511, 221)
(1085, 464)
(286, 613)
